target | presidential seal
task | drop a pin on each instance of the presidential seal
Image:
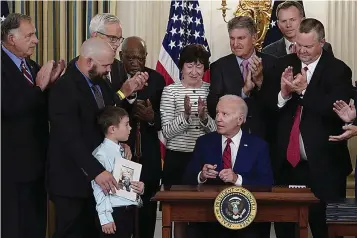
(235, 208)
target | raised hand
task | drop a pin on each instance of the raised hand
(347, 112)
(187, 106)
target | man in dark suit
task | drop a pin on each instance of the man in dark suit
(145, 122)
(310, 82)
(230, 156)
(74, 104)
(229, 74)
(289, 15)
(107, 26)
(24, 129)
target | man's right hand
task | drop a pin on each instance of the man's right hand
(347, 112)
(208, 171)
(107, 182)
(44, 75)
(248, 84)
(135, 83)
(287, 78)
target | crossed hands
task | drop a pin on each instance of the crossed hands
(226, 175)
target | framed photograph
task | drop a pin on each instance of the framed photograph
(124, 172)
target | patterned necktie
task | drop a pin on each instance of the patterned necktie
(26, 73)
(244, 68)
(292, 48)
(138, 142)
(227, 157)
(98, 97)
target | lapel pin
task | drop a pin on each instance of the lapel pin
(246, 145)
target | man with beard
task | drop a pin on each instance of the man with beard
(74, 103)
(107, 26)
(145, 122)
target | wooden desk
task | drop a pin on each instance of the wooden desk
(195, 204)
(342, 229)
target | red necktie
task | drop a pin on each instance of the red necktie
(26, 73)
(293, 151)
(227, 158)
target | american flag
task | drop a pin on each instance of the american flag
(185, 26)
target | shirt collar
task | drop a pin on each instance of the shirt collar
(111, 144)
(87, 79)
(240, 60)
(312, 65)
(235, 139)
(13, 57)
(287, 42)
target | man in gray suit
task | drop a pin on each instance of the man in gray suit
(289, 15)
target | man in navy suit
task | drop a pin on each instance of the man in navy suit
(230, 156)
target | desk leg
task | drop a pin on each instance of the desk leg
(166, 221)
(303, 222)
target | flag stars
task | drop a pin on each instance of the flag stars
(198, 8)
(174, 18)
(272, 23)
(189, 20)
(197, 34)
(182, 18)
(182, 31)
(198, 21)
(176, 5)
(2, 18)
(180, 45)
(190, 6)
(173, 31)
(172, 44)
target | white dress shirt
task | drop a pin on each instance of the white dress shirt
(281, 101)
(106, 153)
(234, 151)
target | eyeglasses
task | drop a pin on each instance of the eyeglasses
(112, 39)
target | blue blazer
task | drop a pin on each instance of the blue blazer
(252, 161)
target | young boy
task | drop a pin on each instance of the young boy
(116, 214)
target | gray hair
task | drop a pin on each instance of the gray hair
(310, 24)
(100, 20)
(12, 22)
(242, 22)
(242, 105)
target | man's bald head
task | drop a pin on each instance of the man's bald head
(231, 114)
(93, 47)
(133, 54)
(96, 58)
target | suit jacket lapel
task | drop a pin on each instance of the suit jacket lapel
(243, 151)
(217, 151)
(317, 72)
(281, 47)
(236, 74)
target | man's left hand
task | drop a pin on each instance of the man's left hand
(57, 70)
(127, 151)
(144, 112)
(228, 176)
(350, 131)
(256, 67)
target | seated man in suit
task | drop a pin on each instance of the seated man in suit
(289, 15)
(230, 156)
(229, 74)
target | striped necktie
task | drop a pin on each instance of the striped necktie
(98, 97)
(26, 73)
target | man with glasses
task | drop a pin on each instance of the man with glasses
(107, 27)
